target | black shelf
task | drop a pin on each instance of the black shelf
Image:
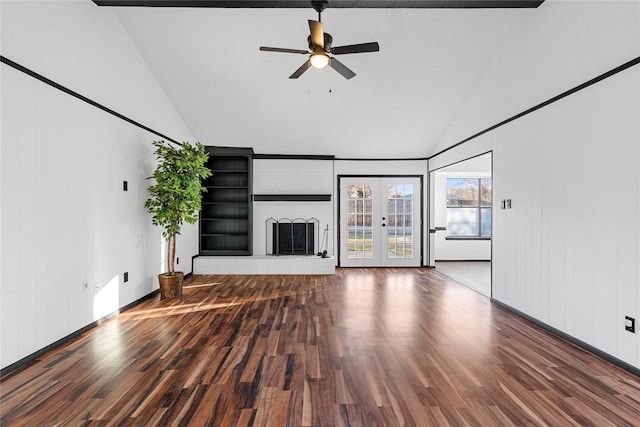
(225, 218)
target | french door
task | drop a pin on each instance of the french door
(380, 221)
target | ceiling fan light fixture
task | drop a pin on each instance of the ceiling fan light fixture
(319, 60)
(320, 44)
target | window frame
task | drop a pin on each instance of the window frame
(478, 208)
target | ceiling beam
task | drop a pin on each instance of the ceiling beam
(351, 4)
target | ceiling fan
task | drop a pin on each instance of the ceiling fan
(320, 45)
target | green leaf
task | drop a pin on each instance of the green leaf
(175, 197)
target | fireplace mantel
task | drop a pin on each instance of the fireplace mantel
(292, 197)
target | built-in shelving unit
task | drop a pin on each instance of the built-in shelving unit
(226, 215)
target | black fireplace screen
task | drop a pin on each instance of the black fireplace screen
(291, 236)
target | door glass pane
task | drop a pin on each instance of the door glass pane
(359, 221)
(399, 221)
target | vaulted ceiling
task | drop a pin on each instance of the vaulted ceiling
(399, 104)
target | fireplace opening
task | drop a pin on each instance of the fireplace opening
(292, 237)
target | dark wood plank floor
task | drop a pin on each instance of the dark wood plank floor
(366, 347)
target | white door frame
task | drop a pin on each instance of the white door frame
(431, 173)
(418, 215)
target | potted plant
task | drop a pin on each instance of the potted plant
(176, 198)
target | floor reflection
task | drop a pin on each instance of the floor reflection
(473, 274)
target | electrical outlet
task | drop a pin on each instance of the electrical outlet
(508, 203)
(125, 186)
(125, 276)
(630, 324)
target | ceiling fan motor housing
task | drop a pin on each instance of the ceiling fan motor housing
(328, 40)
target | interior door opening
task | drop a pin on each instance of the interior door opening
(460, 222)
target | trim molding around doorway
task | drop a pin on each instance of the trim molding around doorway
(338, 217)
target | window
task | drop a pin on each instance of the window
(469, 207)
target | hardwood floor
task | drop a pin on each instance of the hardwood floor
(366, 347)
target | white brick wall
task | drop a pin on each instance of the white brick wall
(292, 176)
(264, 265)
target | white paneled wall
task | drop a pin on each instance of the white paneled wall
(560, 45)
(65, 219)
(568, 252)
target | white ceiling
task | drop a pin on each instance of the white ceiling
(400, 103)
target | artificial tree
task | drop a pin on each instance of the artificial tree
(176, 198)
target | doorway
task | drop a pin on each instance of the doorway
(460, 221)
(380, 221)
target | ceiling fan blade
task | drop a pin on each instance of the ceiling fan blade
(356, 48)
(317, 33)
(284, 50)
(341, 68)
(300, 70)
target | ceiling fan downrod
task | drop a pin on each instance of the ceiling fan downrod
(319, 6)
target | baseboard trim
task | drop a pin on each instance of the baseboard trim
(28, 360)
(573, 340)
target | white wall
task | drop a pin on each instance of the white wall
(568, 252)
(560, 45)
(65, 219)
